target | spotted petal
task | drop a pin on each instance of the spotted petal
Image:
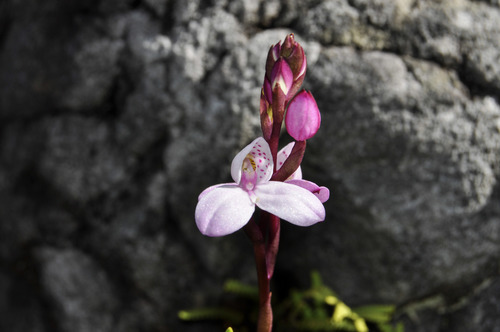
(290, 202)
(261, 154)
(223, 210)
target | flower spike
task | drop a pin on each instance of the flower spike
(269, 179)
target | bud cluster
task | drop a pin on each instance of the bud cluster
(286, 66)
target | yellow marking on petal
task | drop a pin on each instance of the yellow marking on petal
(252, 161)
(248, 159)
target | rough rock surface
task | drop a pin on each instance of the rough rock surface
(115, 115)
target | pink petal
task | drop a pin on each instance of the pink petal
(282, 75)
(290, 202)
(223, 210)
(323, 193)
(268, 92)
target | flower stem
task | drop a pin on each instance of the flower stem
(264, 255)
(273, 244)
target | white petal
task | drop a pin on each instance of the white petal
(297, 175)
(258, 146)
(209, 189)
(290, 202)
(283, 155)
(223, 210)
(238, 161)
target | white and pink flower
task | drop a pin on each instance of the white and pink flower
(225, 208)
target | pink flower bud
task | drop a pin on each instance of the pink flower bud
(272, 56)
(288, 45)
(266, 116)
(267, 90)
(294, 55)
(302, 118)
(282, 75)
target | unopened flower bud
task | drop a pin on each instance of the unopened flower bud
(302, 119)
(266, 116)
(282, 75)
(267, 91)
(294, 55)
(288, 45)
(272, 56)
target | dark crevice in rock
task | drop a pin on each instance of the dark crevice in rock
(168, 19)
(26, 291)
(474, 85)
(135, 4)
(5, 23)
(207, 5)
(495, 3)
(148, 8)
(121, 87)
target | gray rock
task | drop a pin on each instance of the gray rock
(480, 312)
(379, 146)
(114, 116)
(78, 289)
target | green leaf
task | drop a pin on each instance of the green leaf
(211, 314)
(342, 311)
(389, 328)
(376, 313)
(229, 329)
(316, 281)
(239, 288)
(360, 325)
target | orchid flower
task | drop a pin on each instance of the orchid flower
(225, 208)
(296, 178)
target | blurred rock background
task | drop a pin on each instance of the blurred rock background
(114, 115)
